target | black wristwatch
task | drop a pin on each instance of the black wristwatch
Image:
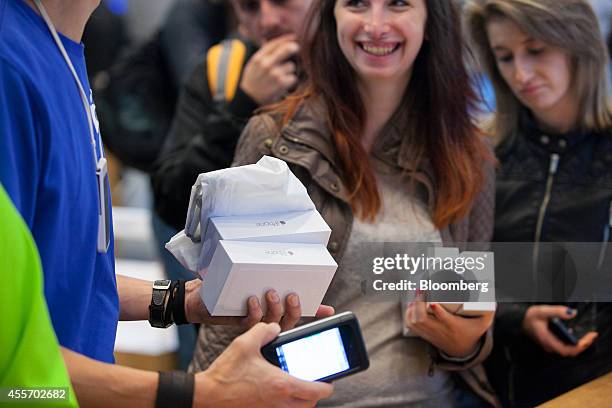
(157, 308)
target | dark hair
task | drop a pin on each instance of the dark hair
(440, 123)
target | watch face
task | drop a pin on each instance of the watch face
(162, 284)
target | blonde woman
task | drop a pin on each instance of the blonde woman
(547, 62)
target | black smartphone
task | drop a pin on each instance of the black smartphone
(324, 350)
(561, 331)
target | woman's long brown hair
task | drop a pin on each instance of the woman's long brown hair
(438, 100)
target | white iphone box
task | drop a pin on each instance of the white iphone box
(241, 269)
(305, 227)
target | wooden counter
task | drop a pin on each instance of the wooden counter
(597, 393)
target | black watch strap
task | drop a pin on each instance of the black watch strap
(178, 305)
(161, 290)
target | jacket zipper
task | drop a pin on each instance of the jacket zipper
(602, 256)
(552, 171)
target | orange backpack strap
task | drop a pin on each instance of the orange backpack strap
(224, 63)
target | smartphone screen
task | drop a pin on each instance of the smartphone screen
(324, 350)
(314, 357)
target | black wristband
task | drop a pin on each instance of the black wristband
(168, 317)
(178, 306)
(175, 389)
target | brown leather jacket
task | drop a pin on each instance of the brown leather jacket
(305, 144)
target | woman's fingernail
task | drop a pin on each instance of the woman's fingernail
(570, 311)
(433, 306)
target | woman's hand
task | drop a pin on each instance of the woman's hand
(535, 325)
(456, 336)
(196, 312)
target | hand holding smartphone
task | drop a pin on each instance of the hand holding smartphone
(324, 350)
(569, 337)
(561, 331)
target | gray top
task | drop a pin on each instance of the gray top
(398, 373)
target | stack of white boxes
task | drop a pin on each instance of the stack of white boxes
(249, 255)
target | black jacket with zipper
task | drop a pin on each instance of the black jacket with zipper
(550, 188)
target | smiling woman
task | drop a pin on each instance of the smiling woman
(381, 41)
(364, 93)
(381, 136)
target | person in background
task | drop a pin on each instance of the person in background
(209, 117)
(547, 61)
(53, 168)
(190, 29)
(370, 134)
(30, 354)
(138, 92)
(236, 77)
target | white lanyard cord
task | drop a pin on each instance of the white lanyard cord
(45, 17)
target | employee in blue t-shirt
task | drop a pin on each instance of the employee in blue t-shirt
(53, 167)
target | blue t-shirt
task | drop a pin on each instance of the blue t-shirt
(47, 168)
